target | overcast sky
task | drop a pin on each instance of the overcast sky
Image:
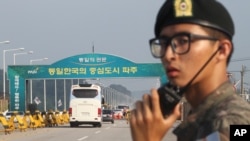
(58, 29)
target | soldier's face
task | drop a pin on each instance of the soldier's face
(181, 68)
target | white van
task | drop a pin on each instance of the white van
(85, 105)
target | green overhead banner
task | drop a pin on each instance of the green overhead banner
(79, 66)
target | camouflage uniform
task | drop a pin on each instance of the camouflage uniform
(215, 115)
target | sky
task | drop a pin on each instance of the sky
(57, 29)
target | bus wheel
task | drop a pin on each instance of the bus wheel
(99, 125)
(73, 125)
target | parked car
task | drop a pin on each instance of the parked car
(108, 115)
(118, 113)
(10, 113)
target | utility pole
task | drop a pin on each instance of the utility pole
(93, 48)
(242, 81)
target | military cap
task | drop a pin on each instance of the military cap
(208, 13)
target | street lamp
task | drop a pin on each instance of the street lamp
(4, 51)
(5, 42)
(42, 59)
(15, 54)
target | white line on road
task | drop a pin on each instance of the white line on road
(97, 132)
(85, 137)
(107, 127)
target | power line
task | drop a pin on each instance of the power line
(245, 69)
(240, 59)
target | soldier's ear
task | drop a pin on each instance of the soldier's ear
(225, 49)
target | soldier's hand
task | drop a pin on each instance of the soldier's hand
(147, 122)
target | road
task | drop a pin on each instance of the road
(119, 131)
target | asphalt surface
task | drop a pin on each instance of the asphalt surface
(121, 125)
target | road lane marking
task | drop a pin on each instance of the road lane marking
(97, 132)
(107, 128)
(83, 138)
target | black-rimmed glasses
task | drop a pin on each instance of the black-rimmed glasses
(180, 43)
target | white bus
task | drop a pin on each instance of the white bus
(85, 105)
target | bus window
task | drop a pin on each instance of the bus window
(85, 93)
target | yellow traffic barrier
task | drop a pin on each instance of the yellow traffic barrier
(38, 119)
(54, 121)
(49, 118)
(29, 121)
(12, 123)
(21, 124)
(26, 121)
(59, 119)
(18, 123)
(32, 123)
(44, 116)
(65, 116)
(53, 118)
(3, 120)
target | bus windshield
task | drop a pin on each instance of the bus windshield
(85, 93)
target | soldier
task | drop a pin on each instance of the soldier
(193, 39)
